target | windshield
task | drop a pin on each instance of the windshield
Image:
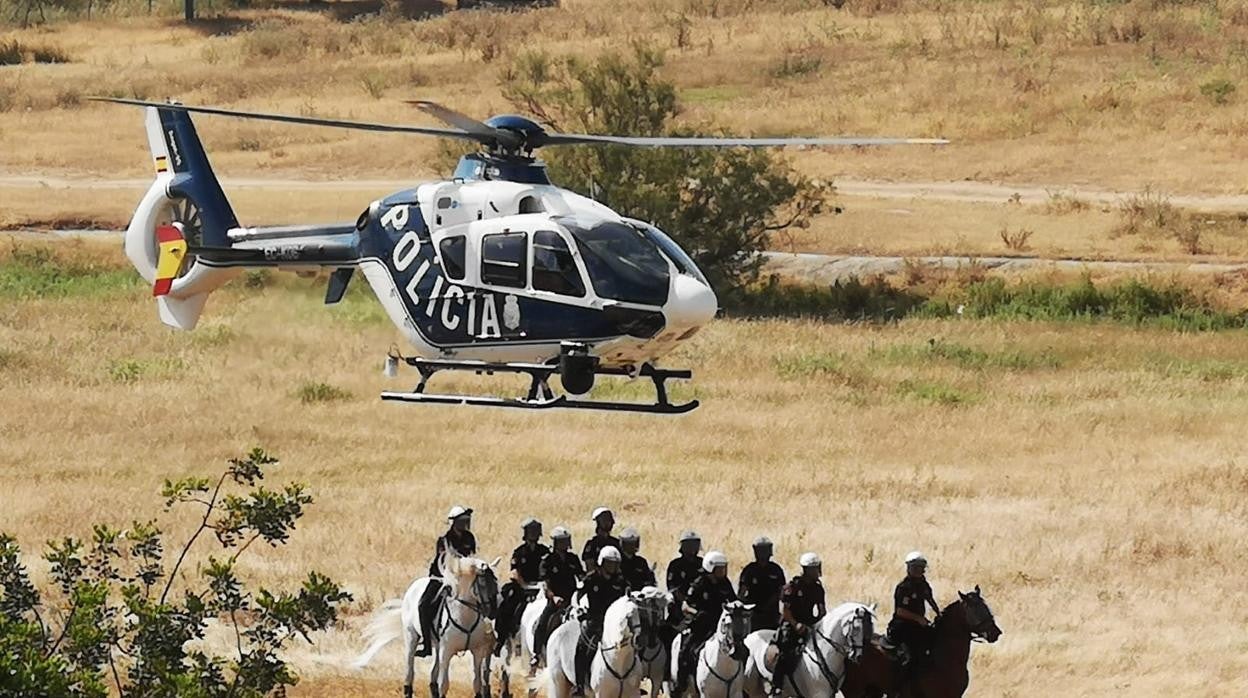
(623, 264)
(684, 263)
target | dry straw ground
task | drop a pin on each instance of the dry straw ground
(1090, 477)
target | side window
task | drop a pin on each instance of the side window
(554, 269)
(452, 251)
(504, 259)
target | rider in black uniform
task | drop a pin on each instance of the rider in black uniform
(804, 605)
(704, 603)
(526, 570)
(458, 538)
(760, 584)
(681, 572)
(909, 626)
(561, 571)
(601, 588)
(635, 568)
(604, 521)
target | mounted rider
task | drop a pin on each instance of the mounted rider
(909, 626)
(526, 571)
(601, 588)
(561, 571)
(604, 521)
(703, 604)
(804, 605)
(458, 537)
(681, 572)
(760, 584)
(635, 568)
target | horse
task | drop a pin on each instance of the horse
(839, 637)
(721, 660)
(462, 623)
(945, 674)
(520, 644)
(617, 669)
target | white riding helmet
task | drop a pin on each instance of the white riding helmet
(810, 560)
(458, 511)
(560, 533)
(762, 542)
(608, 553)
(916, 558)
(689, 535)
(599, 512)
(714, 559)
(530, 523)
(629, 534)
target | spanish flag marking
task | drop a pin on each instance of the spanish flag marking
(172, 254)
(162, 164)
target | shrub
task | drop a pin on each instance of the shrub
(1218, 91)
(114, 623)
(312, 392)
(1147, 212)
(1015, 240)
(722, 205)
(11, 52)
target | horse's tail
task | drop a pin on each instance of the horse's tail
(384, 627)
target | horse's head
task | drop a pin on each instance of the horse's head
(858, 629)
(475, 576)
(979, 619)
(649, 610)
(734, 626)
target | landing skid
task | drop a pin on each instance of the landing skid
(541, 396)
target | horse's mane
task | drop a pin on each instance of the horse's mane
(945, 615)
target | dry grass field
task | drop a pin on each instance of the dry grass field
(1075, 94)
(1091, 477)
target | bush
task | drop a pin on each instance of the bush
(310, 393)
(722, 205)
(113, 623)
(1218, 91)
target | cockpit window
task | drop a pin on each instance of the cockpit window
(452, 251)
(623, 264)
(684, 263)
(504, 259)
(554, 268)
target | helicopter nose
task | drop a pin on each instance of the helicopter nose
(692, 303)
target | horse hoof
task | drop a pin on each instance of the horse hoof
(407, 692)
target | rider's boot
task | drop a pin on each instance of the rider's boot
(425, 612)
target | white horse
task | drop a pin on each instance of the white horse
(720, 670)
(520, 644)
(617, 669)
(461, 623)
(840, 636)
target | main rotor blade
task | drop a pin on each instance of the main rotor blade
(715, 142)
(467, 123)
(285, 118)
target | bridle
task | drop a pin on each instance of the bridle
(482, 605)
(855, 644)
(730, 643)
(647, 611)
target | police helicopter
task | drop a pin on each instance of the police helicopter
(495, 270)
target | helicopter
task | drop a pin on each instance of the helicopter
(495, 270)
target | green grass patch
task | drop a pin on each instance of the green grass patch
(129, 371)
(965, 357)
(1134, 301)
(875, 299)
(36, 272)
(935, 393)
(315, 392)
(10, 358)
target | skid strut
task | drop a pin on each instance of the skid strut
(540, 394)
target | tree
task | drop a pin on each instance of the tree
(722, 205)
(121, 620)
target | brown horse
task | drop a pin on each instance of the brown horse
(944, 674)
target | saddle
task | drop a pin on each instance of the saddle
(438, 603)
(896, 652)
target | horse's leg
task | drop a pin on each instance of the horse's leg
(409, 651)
(439, 675)
(481, 668)
(504, 678)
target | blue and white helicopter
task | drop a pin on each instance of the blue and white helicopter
(493, 270)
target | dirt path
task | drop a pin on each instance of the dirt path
(969, 192)
(827, 269)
